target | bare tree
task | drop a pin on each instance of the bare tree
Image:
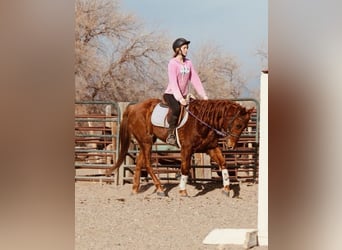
(262, 53)
(219, 72)
(115, 58)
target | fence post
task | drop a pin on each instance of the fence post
(263, 163)
(250, 156)
(202, 159)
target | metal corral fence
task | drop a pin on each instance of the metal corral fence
(94, 150)
(242, 162)
(96, 143)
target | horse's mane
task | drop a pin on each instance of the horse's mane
(215, 112)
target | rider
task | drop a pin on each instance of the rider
(180, 72)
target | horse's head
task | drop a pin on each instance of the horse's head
(236, 126)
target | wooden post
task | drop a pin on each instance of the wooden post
(108, 124)
(202, 159)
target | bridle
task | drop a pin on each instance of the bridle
(230, 124)
(220, 133)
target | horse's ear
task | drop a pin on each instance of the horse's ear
(251, 110)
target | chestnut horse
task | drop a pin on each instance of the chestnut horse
(208, 121)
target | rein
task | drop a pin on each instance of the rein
(206, 124)
(220, 133)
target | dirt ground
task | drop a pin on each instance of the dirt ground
(109, 217)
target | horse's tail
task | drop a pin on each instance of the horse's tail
(125, 137)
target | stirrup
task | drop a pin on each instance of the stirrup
(171, 139)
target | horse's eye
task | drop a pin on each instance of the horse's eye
(239, 126)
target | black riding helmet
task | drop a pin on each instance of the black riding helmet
(179, 42)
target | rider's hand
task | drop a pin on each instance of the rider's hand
(183, 102)
(205, 98)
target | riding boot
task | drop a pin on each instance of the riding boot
(171, 138)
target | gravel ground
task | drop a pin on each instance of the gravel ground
(109, 217)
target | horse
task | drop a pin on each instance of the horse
(208, 121)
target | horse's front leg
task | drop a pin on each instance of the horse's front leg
(185, 167)
(216, 155)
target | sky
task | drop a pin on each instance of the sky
(238, 27)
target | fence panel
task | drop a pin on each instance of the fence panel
(97, 146)
(96, 139)
(242, 162)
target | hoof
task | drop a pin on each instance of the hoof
(183, 193)
(108, 173)
(161, 193)
(225, 191)
(134, 192)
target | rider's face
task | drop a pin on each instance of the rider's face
(184, 49)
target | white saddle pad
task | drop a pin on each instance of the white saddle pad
(158, 117)
(159, 114)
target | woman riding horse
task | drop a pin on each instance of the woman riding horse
(180, 72)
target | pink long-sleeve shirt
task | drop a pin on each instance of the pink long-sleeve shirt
(179, 77)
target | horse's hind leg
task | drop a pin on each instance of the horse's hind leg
(137, 173)
(146, 150)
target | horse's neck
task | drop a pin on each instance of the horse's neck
(214, 114)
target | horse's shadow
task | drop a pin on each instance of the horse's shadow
(203, 188)
(211, 186)
(167, 187)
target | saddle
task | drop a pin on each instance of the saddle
(159, 116)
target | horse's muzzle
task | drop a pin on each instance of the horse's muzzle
(231, 143)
